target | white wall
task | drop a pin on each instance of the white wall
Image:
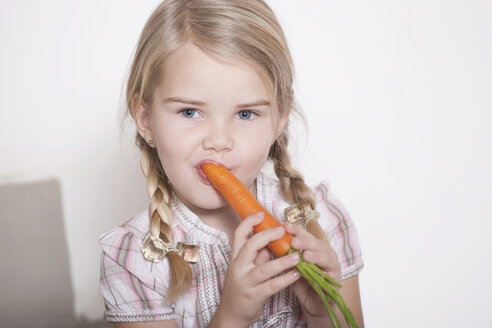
(397, 95)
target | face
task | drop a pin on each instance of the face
(205, 110)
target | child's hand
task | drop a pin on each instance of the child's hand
(317, 252)
(250, 277)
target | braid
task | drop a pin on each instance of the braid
(292, 185)
(161, 217)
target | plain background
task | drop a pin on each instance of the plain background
(398, 99)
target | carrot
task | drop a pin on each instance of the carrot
(245, 204)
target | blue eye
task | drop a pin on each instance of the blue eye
(245, 114)
(188, 112)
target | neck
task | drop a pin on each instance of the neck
(224, 218)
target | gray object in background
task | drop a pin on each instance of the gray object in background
(35, 287)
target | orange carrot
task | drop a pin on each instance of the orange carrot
(245, 204)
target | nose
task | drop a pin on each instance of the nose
(219, 137)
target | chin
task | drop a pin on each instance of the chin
(213, 203)
(207, 201)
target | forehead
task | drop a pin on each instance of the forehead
(191, 72)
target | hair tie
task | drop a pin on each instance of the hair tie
(155, 249)
(296, 215)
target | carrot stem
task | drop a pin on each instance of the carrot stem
(327, 276)
(305, 273)
(331, 291)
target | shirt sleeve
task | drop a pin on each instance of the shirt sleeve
(339, 227)
(131, 292)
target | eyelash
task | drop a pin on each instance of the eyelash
(182, 111)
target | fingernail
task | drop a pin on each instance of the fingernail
(260, 215)
(279, 230)
(296, 274)
(294, 257)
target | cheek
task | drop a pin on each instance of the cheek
(173, 141)
(255, 148)
(171, 148)
(257, 151)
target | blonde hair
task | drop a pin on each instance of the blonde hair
(227, 30)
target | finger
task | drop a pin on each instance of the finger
(304, 240)
(243, 230)
(264, 255)
(274, 285)
(300, 286)
(249, 250)
(313, 249)
(326, 259)
(270, 269)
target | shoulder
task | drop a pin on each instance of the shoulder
(134, 228)
(122, 244)
(121, 250)
(333, 213)
(331, 210)
(339, 227)
(133, 288)
(138, 225)
(335, 220)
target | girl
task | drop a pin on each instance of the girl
(211, 80)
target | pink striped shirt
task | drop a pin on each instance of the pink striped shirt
(135, 289)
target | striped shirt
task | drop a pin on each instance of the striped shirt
(135, 289)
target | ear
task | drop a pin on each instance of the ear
(142, 116)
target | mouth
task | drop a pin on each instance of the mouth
(202, 174)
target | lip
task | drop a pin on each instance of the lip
(202, 174)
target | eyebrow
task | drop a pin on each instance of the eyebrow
(201, 103)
